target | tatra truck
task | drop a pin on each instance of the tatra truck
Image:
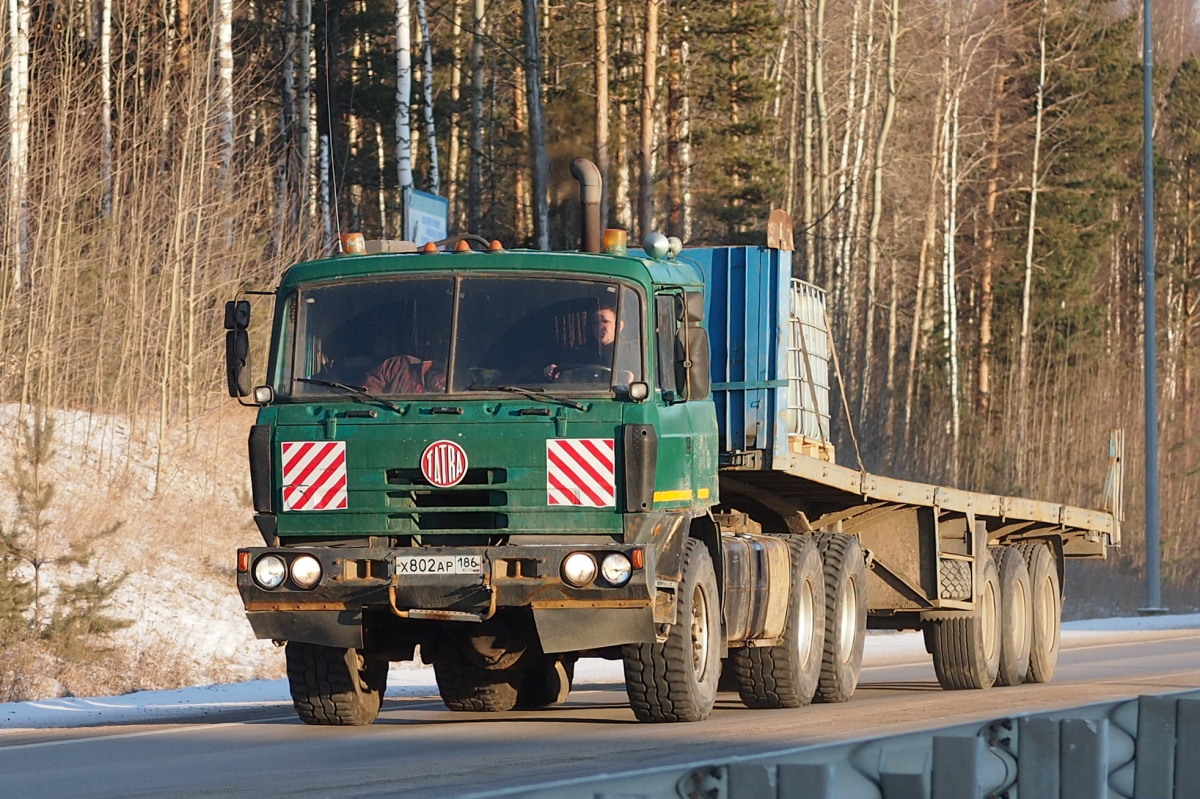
(501, 461)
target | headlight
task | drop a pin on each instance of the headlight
(269, 571)
(306, 571)
(579, 569)
(616, 569)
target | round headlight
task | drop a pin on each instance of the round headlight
(269, 571)
(579, 569)
(306, 571)
(616, 569)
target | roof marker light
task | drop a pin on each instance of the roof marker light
(495, 246)
(353, 244)
(428, 246)
(614, 241)
(462, 246)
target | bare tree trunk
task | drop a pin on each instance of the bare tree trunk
(889, 113)
(475, 179)
(1031, 227)
(522, 201)
(435, 176)
(404, 177)
(823, 178)
(601, 112)
(286, 205)
(18, 141)
(106, 109)
(537, 130)
(622, 208)
(649, 86)
(456, 214)
(987, 298)
(224, 86)
(807, 196)
(306, 128)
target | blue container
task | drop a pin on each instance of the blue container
(770, 354)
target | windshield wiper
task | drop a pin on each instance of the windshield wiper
(532, 393)
(357, 391)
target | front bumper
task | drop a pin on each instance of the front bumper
(358, 579)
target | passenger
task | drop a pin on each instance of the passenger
(405, 374)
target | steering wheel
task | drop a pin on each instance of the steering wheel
(585, 373)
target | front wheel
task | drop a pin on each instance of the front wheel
(786, 675)
(334, 686)
(677, 679)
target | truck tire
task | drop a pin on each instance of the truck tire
(786, 675)
(1046, 606)
(1016, 616)
(677, 679)
(467, 687)
(845, 616)
(966, 645)
(545, 683)
(334, 686)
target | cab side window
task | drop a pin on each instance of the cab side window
(666, 307)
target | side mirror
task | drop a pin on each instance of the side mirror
(237, 351)
(237, 315)
(692, 373)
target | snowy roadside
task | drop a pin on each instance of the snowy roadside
(198, 702)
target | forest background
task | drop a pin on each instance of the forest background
(964, 180)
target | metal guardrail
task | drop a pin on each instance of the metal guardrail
(1144, 747)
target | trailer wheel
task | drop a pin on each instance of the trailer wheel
(1016, 619)
(467, 687)
(966, 646)
(1046, 604)
(334, 686)
(845, 616)
(677, 679)
(787, 675)
(545, 683)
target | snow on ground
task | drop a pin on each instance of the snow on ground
(198, 702)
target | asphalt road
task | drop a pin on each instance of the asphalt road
(417, 748)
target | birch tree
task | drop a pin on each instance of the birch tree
(18, 141)
(404, 176)
(537, 128)
(649, 87)
(1030, 230)
(435, 176)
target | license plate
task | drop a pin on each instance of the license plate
(439, 564)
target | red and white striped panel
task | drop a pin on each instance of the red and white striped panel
(580, 471)
(314, 475)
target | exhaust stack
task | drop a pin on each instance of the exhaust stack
(588, 176)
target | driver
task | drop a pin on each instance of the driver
(604, 327)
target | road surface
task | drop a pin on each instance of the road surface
(417, 748)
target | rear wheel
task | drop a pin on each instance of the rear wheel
(845, 616)
(1046, 601)
(786, 675)
(966, 646)
(466, 686)
(677, 679)
(545, 683)
(1016, 619)
(334, 686)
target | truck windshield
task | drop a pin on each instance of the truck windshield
(408, 335)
